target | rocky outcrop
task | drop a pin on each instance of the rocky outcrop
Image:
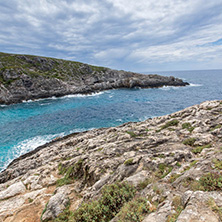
(174, 162)
(25, 77)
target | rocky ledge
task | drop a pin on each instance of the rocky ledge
(24, 77)
(164, 169)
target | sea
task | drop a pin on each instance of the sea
(27, 125)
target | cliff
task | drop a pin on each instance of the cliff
(25, 77)
(164, 169)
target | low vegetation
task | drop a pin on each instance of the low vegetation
(188, 127)
(129, 162)
(35, 66)
(189, 141)
(70, 173)
(163, 170)
(113, 198)
(199, 149)
(176, 204)
(173, 122)
(211, 181)
(134, 210)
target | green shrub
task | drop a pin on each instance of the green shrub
(189, 141)
(113, 197)
(163, 170)
(217, 164)
(134, 211)
(173, 122)
(188, 127)
(200, 148)
(211, 181)
(70, 173)
(132, 134)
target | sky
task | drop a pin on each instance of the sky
(141, 36)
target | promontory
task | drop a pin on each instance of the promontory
(25, 77)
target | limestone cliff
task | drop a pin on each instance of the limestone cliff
(25, 77)
(164, 169)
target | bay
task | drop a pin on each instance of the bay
(28, 125)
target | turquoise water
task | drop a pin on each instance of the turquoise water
(25, 126)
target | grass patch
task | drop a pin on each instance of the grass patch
(199, 149)
(188, 126)
(217, 164)
(173, 122)
(211, 181)
(163, 170)
(191, 165)
(173, 177)
(128, 162)
(70, 173)
(216, 127)
(132, 134)
(134, 211)
(189, 141)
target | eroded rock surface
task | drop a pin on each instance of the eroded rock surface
(174, 161)
(24, 77)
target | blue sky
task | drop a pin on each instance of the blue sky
(121, 34)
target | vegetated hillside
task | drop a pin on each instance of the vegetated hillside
(163, 169)
(24, 77)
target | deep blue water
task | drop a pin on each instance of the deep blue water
(25, 126)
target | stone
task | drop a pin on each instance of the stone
(12, 190)
(57, 203)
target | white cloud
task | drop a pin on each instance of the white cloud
(117, 33)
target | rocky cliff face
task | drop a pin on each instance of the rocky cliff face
(164, 169)
(25, 77)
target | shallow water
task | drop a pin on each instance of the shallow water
(28, 125)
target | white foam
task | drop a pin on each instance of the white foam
(3, 105)
(81, 95)
(27, 146)
(169, 87)
(195, 85)
(63, 97)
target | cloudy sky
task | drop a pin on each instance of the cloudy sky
(142, 35)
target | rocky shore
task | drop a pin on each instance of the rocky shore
(164, 169)
(24, 77)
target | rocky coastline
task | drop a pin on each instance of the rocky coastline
(24, 77)
(163, 169)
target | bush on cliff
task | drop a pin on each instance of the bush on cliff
(113, 197)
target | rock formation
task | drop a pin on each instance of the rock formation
(164, 169)
(24, 77)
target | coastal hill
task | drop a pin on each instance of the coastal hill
(25, 77)
(163, 169)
